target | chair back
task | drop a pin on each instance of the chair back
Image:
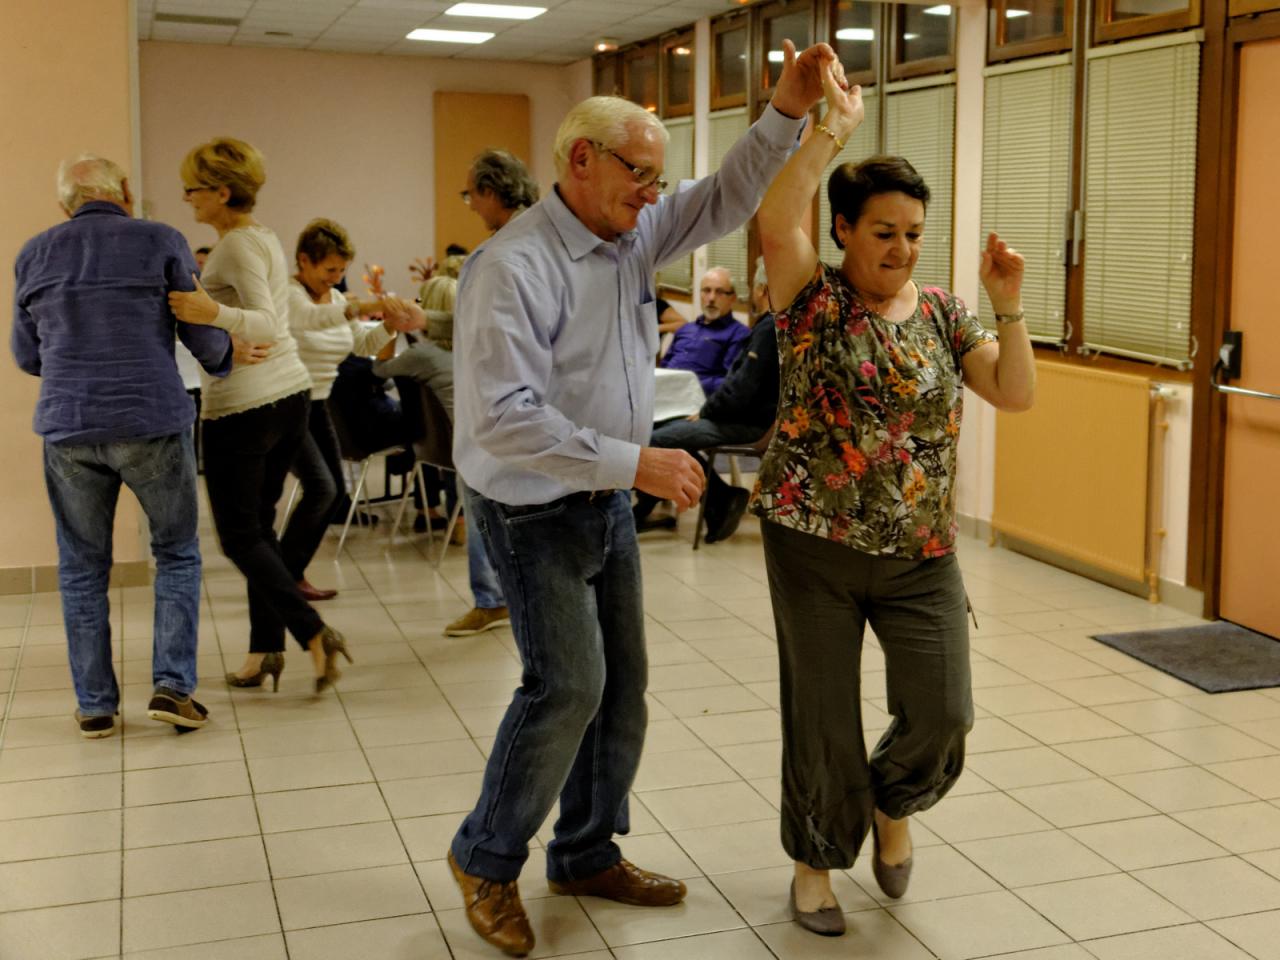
(349, 443)
(428, 422)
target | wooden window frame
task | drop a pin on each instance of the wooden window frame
(641, 51)
(865, 78)
(900, 69)
(615, 62)
(734, 21)
(999, 49)
(764, 13)
(1106, 31)
(1242, 8)
(667, 107)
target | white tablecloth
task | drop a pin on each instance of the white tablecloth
(676, 393)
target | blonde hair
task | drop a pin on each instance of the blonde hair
(439, 293)
(226, 162)
(452, 266)
(607, 121)
(89, 177)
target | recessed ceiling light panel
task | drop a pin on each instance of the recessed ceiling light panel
(496, 11)
(448, 36)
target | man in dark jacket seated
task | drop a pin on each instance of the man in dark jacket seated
(741, 411)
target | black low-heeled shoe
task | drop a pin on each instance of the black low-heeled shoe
(272, 666)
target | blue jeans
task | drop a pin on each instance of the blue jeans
(486, 591)
(575, 727)
(84, 485)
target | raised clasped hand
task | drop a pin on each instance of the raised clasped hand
(193, 306)
(402, 315)
(845, 109)
(1001, 275)
(801, 82)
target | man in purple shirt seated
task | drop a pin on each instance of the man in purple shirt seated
(91, 319)
(710, 344)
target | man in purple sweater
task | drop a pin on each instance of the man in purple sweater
(91, 319)
(710, 344)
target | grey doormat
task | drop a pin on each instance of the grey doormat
(1216, 657)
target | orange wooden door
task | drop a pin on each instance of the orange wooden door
(465, 124)
(1250, 583)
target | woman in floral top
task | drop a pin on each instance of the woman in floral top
(857, 492)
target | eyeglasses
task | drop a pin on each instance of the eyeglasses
(466, 197)
(644, 177)
(188, 191)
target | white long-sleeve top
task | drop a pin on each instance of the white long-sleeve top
(246, 273)
(325, 336)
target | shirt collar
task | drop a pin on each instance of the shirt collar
(100, 206)
(577, 239)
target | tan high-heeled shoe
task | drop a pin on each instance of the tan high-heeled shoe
(333, 643)
(272, 665)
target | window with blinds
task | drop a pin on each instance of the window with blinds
(920, 125)
(860, 146)
(723, 131)
(1026, 181)
(679, 166)
(1140, 165)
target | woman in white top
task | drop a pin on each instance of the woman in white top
(323, 323)
(255, 418)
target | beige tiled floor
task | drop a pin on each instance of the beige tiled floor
(1108, 811)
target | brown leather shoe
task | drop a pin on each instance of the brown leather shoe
(625, 883)
(312, 593)
(495, 911)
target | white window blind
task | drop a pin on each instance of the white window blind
(1026, 184)
(724, 129)
(678, 273)
(1140, 166)
(857, 148)
(920, 126)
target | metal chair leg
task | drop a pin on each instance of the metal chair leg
(288, 506)
(355, 499)
(448, 533)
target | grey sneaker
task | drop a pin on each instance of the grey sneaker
(94, 728)
(174, 708)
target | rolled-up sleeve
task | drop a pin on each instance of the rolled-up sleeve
(504, 329)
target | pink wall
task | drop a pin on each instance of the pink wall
(345, 136)
(67, 90)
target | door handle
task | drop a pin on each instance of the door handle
(1241, 391)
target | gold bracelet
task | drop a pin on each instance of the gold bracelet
(823, 128)
(1006, 318)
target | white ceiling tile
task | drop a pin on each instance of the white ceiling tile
(261, 41)
(189, 33)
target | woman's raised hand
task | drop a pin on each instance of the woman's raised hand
(1001, 275)
(845, 109)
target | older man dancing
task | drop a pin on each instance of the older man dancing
(91, 319)
(557, 331)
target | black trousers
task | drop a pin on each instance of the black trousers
(318, 465)
(824, 595)
(247, 456)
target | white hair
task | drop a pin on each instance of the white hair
(89, 177)
(608, 121)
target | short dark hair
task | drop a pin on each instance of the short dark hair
(456, 250)
(320, 238)
(204, 249)
(851, 185)
(505, 176)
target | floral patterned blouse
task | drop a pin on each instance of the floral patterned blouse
(868, 420)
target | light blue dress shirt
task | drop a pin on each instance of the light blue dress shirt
(556, 330)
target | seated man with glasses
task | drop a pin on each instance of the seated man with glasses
(709, 345)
